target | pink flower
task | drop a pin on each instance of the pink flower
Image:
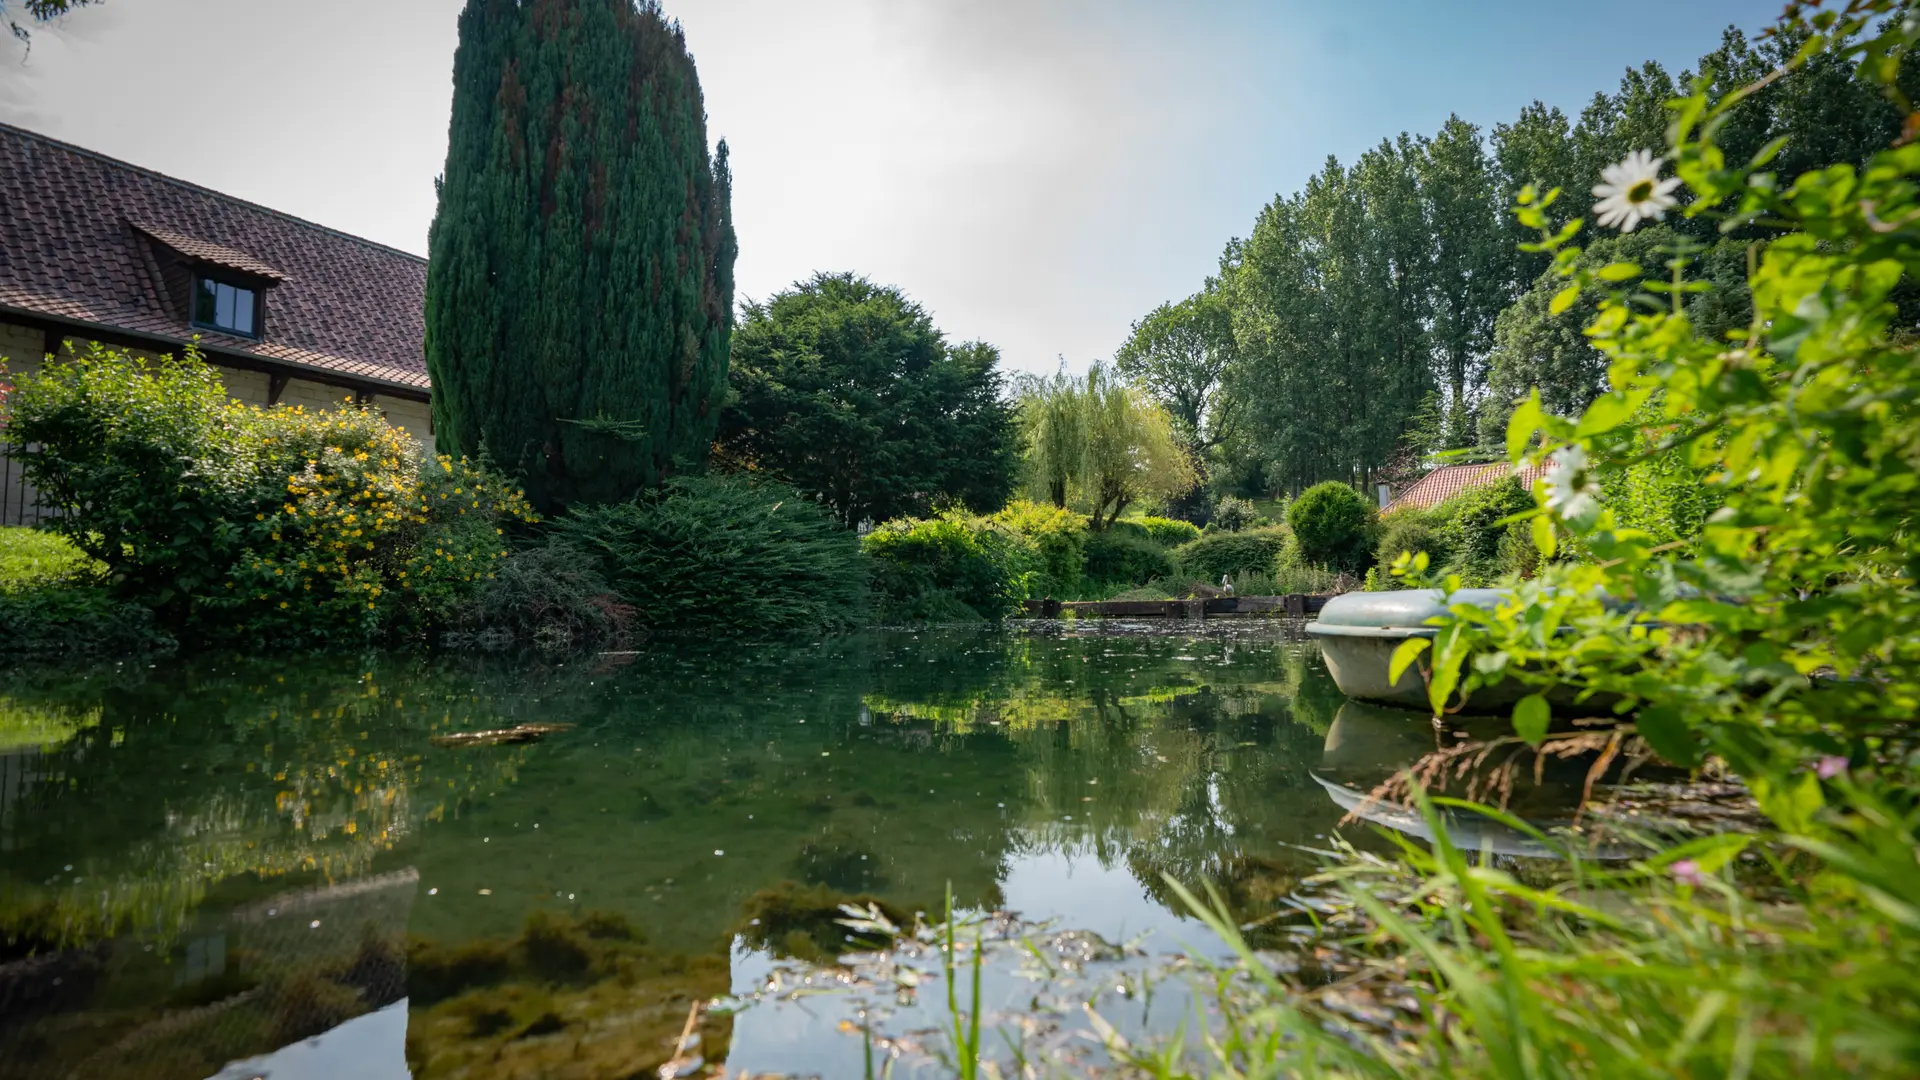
(1830, 766)
(1687, 872)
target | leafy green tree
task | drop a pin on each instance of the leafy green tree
(846, 390)
(580, 294)
(1537, 149)
(1329, 298)
(1470, 274)
(1184, 355)
(1536, 347)
(1100, 445)
(1334, 526)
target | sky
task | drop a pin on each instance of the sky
(1036, 173)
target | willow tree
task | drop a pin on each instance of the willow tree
(580, 291)
(1100, 445)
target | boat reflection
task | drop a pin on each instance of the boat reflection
(1369, 747)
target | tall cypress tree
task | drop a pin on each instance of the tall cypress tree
(580, 291)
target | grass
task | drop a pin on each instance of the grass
(32, 559)
(54, 604)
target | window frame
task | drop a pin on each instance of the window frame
(236, 283)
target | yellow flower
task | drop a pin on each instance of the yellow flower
(283, 603)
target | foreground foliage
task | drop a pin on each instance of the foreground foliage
(1784, 646)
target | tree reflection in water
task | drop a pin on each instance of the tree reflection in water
(219, 857)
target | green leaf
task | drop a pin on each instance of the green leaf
(1767, 152)
(1667, 732)
(1449, 652)
(1403, 656)
(1620, 271)
(1522, 425)
(1543, 537)
(1564, 299)
(1530, 717)
(1607, 412)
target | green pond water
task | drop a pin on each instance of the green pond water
(267, 867)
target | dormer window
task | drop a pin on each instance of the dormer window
(222, 305)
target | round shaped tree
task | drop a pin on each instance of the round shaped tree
(580, 290)
(1333, 526)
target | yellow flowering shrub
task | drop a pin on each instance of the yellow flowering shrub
(367, 535)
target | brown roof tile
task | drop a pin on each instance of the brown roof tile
(1447, 481)
(210, 253)
(71, 238)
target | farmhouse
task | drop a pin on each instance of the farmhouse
(95, 249)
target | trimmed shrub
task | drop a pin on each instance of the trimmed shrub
(1054, 540)
(1334, 526)
(1114, 558)
(710, 556)
(1232, 513)
(1169, 532)
(952, 568)
(1229, 554)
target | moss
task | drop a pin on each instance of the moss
(309, 1004)
(436, 972)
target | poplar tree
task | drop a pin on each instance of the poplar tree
(580, 291)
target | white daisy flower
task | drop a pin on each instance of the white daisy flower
(1569, 485)
(1632, 192)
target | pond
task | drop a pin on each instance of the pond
(268, 866)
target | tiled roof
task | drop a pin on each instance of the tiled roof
(212, 253)
(1447, 481)
(73, 246)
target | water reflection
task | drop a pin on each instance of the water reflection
(211, 862)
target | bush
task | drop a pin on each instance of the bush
(550, 597)
(1409, 530)
(367, 538)
(1226, 554)
(150, 462)
(1663, 493)
(1471, 522)
(67, 621)
(1114, 558)
(1334, 526)
(1232, 513)
(272, 525)
(1054, 540)
(724, 556)
(947, 569)
(1168, 532)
